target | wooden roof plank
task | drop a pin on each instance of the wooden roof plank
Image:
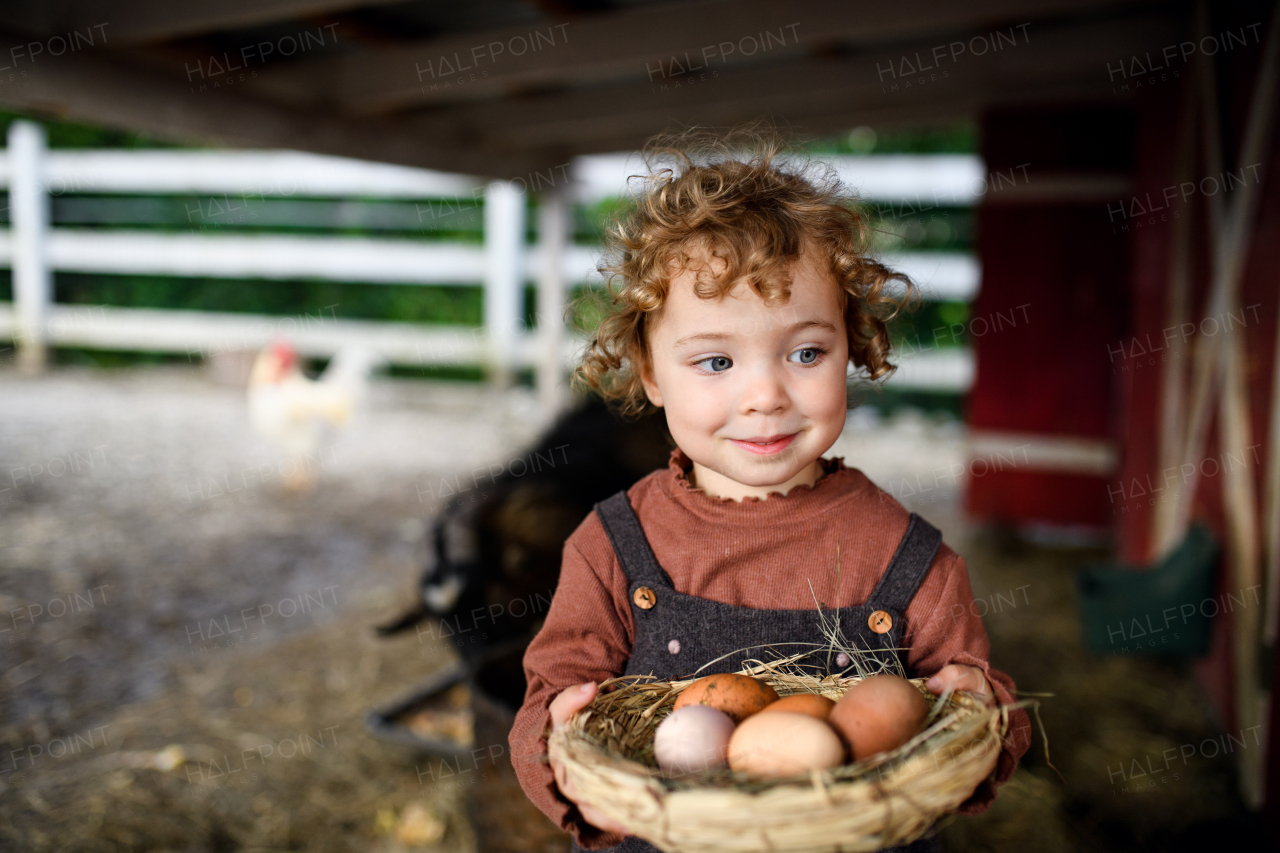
(1069, 59)
(96, 91)
(131, 22)
(646, 43)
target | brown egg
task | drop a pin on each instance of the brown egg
(739, 696)
(878, 714)
(803, 703)
(784, 743)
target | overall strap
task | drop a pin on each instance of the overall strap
(629, 542)
(908, 567)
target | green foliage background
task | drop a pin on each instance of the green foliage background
(896, 228)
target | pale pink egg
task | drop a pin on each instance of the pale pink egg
(693, 739)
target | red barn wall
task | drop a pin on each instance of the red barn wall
(1093, 280)
(1054, 259)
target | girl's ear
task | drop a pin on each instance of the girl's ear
(650, 386)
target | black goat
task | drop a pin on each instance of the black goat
(497, 549)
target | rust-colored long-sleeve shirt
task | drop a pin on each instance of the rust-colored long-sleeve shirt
(777, 553)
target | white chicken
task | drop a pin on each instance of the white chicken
(299, 415)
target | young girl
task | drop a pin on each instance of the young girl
(743, 293)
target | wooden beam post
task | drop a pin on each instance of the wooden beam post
(504, 276)
(1230, 232)
(553, 235)
(1173, 396)
(29, 213)
(1220, 360)
(1271, 506)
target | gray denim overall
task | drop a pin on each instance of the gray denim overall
(675, 633)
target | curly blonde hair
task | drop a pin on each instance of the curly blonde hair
(747, 200)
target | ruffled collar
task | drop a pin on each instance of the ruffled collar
(832, 479)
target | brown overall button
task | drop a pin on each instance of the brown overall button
(644, 598)
(880, 622)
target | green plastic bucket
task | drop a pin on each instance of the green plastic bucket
(1164, 610)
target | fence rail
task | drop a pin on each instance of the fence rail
(947, 275)
(501, 266)
(240, 173)
(205, 333)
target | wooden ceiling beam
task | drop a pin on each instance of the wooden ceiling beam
(132, 22)
(641, 44)
(1069, 60)
(93, 90)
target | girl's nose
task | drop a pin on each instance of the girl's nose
(765, 393)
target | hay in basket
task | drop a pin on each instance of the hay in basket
(887, 799)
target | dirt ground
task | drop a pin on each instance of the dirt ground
(187, 654)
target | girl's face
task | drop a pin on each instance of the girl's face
(754, 394)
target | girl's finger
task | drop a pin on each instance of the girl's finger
(974, 682)
(947, 678)
(570, 702)
(961, 677)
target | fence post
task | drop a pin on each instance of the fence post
(29, 217)
(553, 234)
(504, 276)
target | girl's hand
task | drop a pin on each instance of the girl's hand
(564, 706)
(960, 677)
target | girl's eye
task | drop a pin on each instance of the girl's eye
(808, 355)
(716, 364)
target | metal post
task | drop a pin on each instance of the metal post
(553, 234)
(504, 276)
(29, 215)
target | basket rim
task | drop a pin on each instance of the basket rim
(816, 812)
(993, 721)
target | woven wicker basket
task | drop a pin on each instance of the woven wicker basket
(892, 798)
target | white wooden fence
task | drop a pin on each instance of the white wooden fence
(502, 265)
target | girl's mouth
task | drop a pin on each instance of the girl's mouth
(765, 445)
